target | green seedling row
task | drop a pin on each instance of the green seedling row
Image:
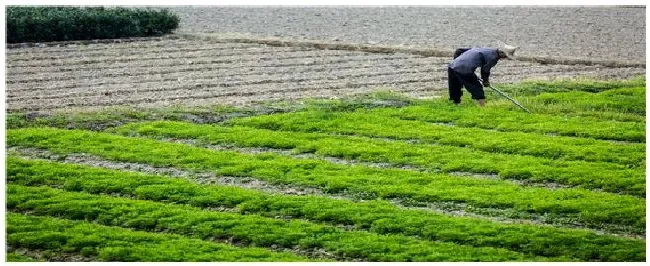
(108, 243)
(536, 87)
(607, 176)
(15, 257)
(591, 208)
(250, 230)
(375, 216)
(624, 104)
(630, 101)
(517, 120)
(387, 124)
(565, 148)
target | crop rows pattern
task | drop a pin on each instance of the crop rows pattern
(427, 181)
(169, 72)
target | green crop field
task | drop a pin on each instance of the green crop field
(380, 177)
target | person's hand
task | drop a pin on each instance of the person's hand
(486, 84)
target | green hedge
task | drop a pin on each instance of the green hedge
(46, 24)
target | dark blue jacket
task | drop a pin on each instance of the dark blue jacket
(468, 61)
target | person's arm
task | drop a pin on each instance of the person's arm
(485, 70)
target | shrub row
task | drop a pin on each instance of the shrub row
(47, 24)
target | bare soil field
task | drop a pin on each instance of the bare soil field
(199, 72)
(601, 32)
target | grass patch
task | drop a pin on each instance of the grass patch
(621, 104)
(611, 177)
(16, 257)
(108, 243)
(249, 230)
(531, 88)
(589, 207)
(516, 121)
(375, 216)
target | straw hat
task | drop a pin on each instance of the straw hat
(509, 50)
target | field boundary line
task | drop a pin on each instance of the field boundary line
(373, 48)
(328, 45)
(96, 41)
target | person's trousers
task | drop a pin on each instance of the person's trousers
(459, 80)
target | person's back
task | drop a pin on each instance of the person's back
(461, 70)
(474, 58)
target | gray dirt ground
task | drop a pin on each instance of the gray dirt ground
(585, 32)
(201, 72)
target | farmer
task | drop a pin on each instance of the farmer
(466, 60)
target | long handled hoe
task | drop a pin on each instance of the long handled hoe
(504, 95)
